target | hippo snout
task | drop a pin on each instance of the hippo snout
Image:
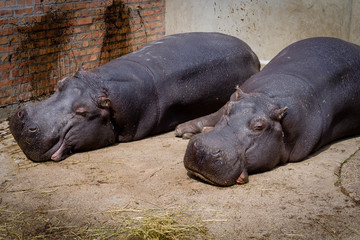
(27, 134)
(211, 160)
(27, 127)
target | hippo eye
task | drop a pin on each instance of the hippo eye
(81, 111)
(258, 124)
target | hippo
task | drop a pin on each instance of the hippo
(305, 98)
(169, 81)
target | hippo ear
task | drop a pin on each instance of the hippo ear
(81, 68)
(81, 71)
(278, 114)
(238, 93)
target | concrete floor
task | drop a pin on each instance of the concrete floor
(303, 200)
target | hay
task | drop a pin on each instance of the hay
(145, 224)
(165, 226)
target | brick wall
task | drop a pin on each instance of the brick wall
(43, 41)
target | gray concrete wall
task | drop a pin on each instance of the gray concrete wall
(267, 26)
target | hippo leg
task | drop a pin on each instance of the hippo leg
(206, 123)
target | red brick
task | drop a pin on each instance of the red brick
(77, 29)
(23, 21)
(99, 41)
(23, 80)
(84, 21)
(7, 100)
(42, 51)
(10, 3)
(13, 21)
(97, 4)
(5, 58)
(6, 66)
(93, 57)
(91, 12)
(6, 91)
(25, 96)
(3, 22)
(83, 36)
(74, 53)
(82, 5)
(100, 11)
(22, 29)
(6, 83)
(147, 12)
(85, 44)
(49, 34)
(24, 11)
(4, 40)
(109, 3)
(42, 68)
(39, 9)
(33, 19)
(97, 34)
(5, 75)
(16, 73)
(6, 48)
(68, 6)
(14, 39)
(93, 50)
(67, 47)
(6, 12)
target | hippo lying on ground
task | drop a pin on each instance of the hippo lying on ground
(306, 97)
(169, 81)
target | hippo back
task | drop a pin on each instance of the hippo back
(194, 73)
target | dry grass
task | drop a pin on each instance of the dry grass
(145, 225)
(165, 226)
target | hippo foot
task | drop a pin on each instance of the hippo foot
(187, 130)
(180, 132)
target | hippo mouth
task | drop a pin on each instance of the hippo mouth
(60, 150)
(242, 179)
(202, 177)
(60, 154)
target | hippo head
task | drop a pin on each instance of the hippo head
(247, 139)
(75, 118)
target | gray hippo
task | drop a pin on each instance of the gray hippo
(306, 97)
(150, 91)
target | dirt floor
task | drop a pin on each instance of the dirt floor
(110, 192)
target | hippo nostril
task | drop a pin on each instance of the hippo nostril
(216, 153)
(33, 128)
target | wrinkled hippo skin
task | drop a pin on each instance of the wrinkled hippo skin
(306, 97)
(169, 81)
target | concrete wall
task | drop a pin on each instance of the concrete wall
(267, 26)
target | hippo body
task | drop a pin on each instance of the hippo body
(305, 98)
(169, 81)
